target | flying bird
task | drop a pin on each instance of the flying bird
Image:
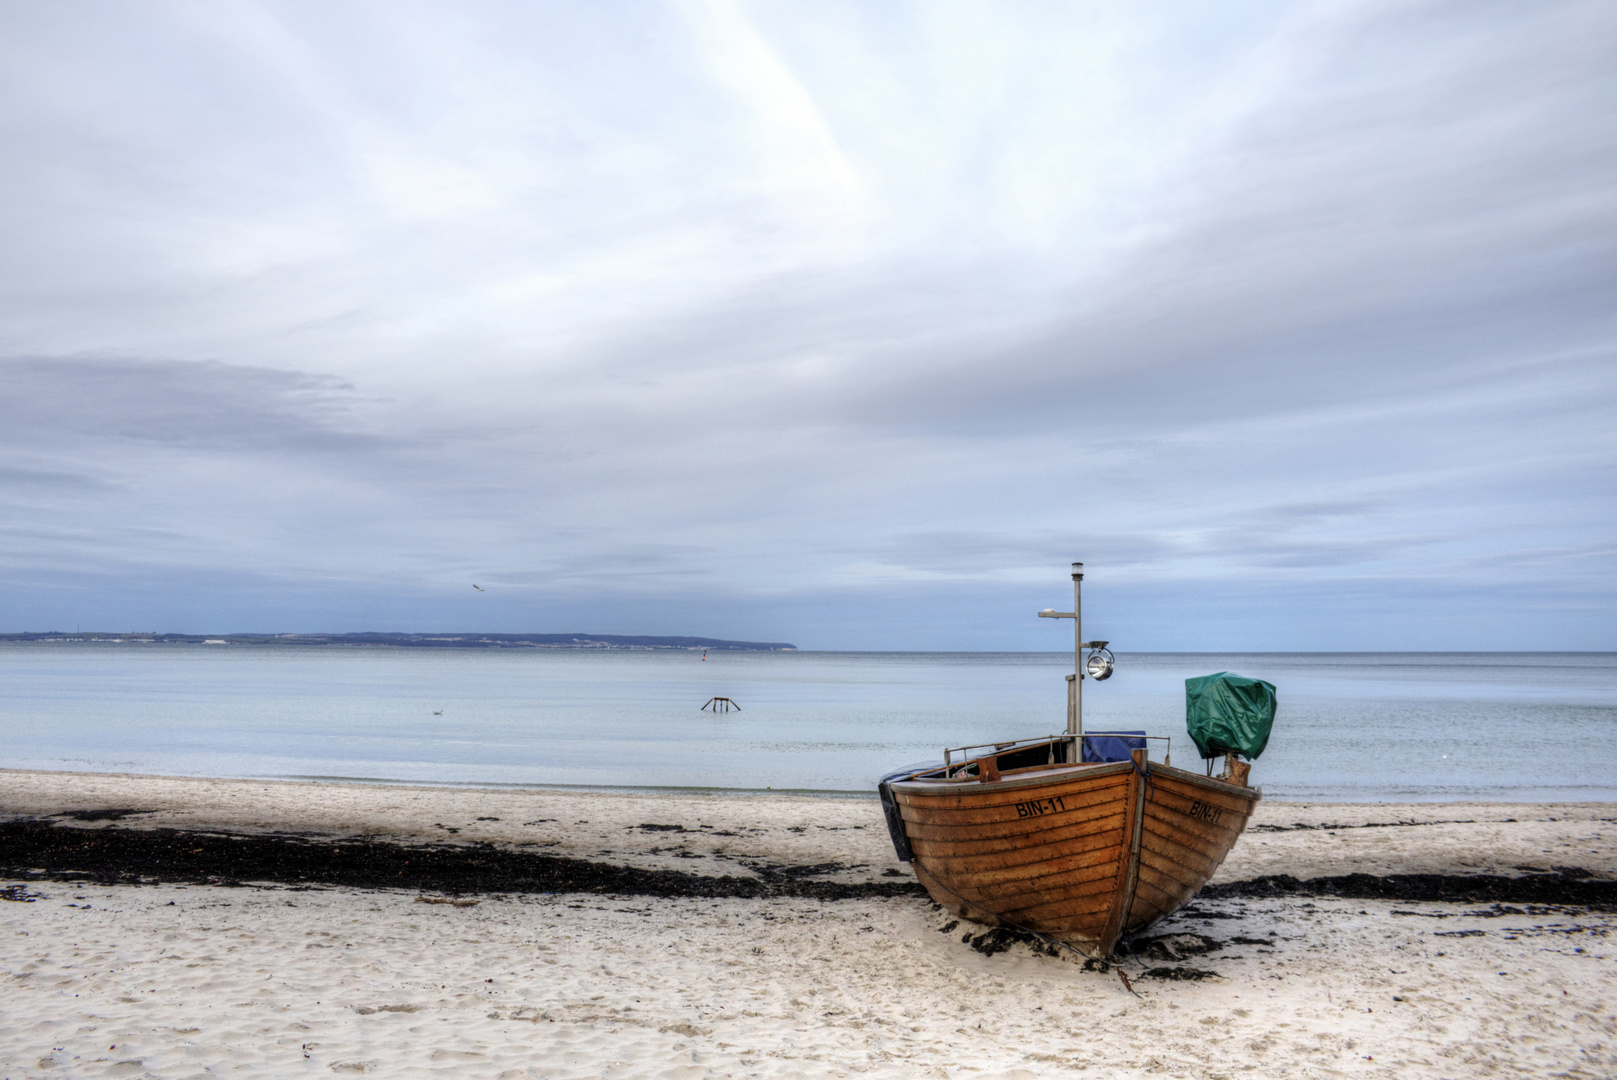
(479, 588)
(440, 712)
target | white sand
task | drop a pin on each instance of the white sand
(177, 981)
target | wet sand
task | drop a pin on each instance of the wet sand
(703, 947)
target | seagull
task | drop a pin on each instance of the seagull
(479, 588)
(440, 712)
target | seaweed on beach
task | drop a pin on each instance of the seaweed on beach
(105, 814)
(780, 873)
(35, 850)
(1001, 938)
(1180, 974)
(1170, 946)
(1567, 886)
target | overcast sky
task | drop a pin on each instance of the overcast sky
(844, 324)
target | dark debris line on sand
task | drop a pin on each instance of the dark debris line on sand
(1568, 885)
(35, 849)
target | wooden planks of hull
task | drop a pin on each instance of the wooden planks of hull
(1000, 880)
(1188, 826)
(1086, 855)
(1080, 922)
(994, 836)
(971, 794)
(1043, 856)
(1036, 848)
(1035, 803)
(1046, 888)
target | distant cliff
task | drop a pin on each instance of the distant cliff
(423, 641)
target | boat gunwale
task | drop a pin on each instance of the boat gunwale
(1056, 774)
(1060, 774)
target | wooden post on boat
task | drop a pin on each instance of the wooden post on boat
(1072, 711)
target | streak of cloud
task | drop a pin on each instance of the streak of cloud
(848, 324)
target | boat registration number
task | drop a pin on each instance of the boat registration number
(1203, 812)
(1036, 807)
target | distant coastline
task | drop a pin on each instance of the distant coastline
(416, 641)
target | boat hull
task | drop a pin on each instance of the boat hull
(1085, 854)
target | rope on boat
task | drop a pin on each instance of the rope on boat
(1145, 775)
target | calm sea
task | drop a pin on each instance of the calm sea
(1397, 726)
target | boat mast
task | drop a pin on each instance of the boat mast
(1075, 685)
(1075, 720)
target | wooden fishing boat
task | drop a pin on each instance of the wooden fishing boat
(1082, 838)
(1084, 853)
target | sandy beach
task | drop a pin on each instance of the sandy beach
(716, 953)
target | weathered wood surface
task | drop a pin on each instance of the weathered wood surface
(1187, 830)
(1085, 855)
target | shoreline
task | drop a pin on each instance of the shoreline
(834, 794)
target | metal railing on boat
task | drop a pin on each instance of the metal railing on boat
(994, 749)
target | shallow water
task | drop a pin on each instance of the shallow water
(1351, 727)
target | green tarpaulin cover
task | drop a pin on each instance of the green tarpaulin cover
(1229, 713)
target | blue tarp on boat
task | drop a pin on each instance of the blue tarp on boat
(1112, 745)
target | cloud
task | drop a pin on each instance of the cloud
(734, 313)
(207, 407)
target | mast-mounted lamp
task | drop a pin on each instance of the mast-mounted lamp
(1097, 666)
